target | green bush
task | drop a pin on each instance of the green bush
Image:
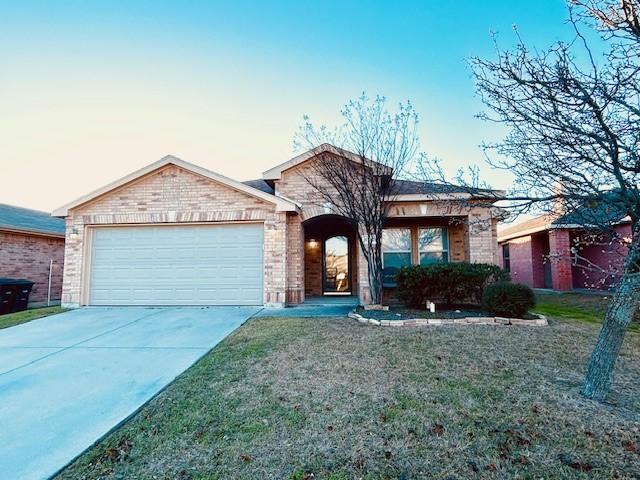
(508, 299)
(451, 283)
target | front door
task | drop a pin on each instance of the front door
(336, 274)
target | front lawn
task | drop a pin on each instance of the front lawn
(12, 319)
(588, 307)
(333, 399)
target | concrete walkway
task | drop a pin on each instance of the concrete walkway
(320, 306)
(68, 379)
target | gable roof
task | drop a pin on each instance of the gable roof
(528, 227)
(25, 220)
(275, 173)
(412, 187)
(281, 203)
(403, 187)
(260, 184)
(584, 216)
(594, 213)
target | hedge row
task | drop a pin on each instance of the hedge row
(464, 283)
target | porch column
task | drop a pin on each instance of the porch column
(275, 260)
(483, 244)
(560, 259)
(295, 260)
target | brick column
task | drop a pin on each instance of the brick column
(560, 258)
(483, 243)
(275, 260)
(295, 260)
(73, 262)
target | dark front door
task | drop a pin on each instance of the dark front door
(336, 271)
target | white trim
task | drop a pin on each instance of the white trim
(275, 173)
(282, 205)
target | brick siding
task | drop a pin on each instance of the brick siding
(560, 258)
(28, 256)
(174, 195)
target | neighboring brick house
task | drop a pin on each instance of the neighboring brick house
(561, 252)
(174, 233)
(32, 247)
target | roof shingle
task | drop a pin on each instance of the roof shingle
(27, 220)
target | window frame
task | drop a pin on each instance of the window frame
(506, 259)
(410, 251)
(444, 235)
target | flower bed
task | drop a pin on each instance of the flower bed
(409, 317)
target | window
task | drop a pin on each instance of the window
(433, 245)
(506, 261)
(396, 247)
(396, 253)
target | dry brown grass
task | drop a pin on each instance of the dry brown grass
(330, 398)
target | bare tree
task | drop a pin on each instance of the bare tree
(573, 119)
(356, 179)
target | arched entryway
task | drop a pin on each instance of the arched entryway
(330, 262)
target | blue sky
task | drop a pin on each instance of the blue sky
(90, 91)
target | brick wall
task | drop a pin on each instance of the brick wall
(313, 268)
(28, 256)
(560, 259)
(295, 185)
(603, 251)
(539, 258)
(174, 195)
(520, 255)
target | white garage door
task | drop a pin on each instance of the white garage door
(177, 265)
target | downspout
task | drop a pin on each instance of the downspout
(49, 286)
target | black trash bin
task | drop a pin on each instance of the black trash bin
(14, 294)
(7, 295)
(23, 289)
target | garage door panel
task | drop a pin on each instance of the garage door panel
(177, 265)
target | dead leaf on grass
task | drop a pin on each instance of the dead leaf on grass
(245, 458)
(120, 452)
(437, 429)
(575, 463)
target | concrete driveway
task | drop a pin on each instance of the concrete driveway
(68, 379)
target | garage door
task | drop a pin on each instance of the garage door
(177, 265)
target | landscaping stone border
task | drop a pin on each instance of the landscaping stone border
(541, 321)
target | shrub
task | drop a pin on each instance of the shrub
(508, 299)
(451, 283)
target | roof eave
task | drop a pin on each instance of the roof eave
(282, 205)
(275, 173)
(422, 197)
(28, 231)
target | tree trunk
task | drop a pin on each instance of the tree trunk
(374, 268)
(619, 315)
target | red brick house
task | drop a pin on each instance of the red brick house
(563, 252)
(32, 247)
(174, 233)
